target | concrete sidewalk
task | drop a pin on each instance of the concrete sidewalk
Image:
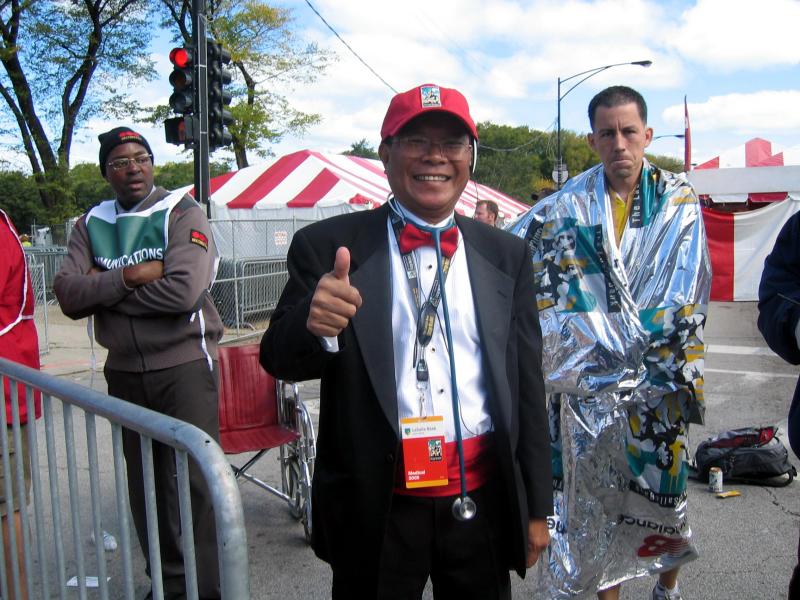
(69, 347)
(747, 544)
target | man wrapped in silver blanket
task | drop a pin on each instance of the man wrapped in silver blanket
(623, 279)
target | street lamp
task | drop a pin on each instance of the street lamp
(560, 173)
(675, 135)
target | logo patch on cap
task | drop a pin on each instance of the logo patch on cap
(199, 238)
(129, 136)
(431, 96)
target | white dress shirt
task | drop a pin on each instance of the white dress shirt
(475, 419)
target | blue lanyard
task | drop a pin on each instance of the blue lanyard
(464, 507)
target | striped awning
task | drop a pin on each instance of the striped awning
(319, 180)
(756, 152)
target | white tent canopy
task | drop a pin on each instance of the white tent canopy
(757, 170)
(314, 185)
(256, 210)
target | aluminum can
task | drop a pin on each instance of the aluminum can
(715, 479)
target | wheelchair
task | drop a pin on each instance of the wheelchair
(258, 413)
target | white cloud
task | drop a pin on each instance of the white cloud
(748, 114)
(534, 42)
(740, 34)
(497, 52)
(506, 56)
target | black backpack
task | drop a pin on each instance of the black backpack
(752, 455)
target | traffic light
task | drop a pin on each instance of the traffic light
(218, 97)
(182, 78)
(179, 130)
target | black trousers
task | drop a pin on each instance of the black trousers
(187, 392)
(464, 559)
(794, 583)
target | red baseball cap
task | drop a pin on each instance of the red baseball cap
(426, 97)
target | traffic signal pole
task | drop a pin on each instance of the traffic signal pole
(198, 80)
(200, 117)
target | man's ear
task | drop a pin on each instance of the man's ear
(648, 136)
(590, 139)
(383, 154)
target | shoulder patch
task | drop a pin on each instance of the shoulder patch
(199, 238)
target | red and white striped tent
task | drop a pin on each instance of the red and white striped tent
(756, 152)
(315, 185)
(740, 241)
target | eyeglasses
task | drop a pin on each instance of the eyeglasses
(417, 147)
(123, 163)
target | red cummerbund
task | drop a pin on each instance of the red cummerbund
(479, 463)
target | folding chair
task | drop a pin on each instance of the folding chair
(258, 413)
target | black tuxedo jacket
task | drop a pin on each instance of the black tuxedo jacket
(359, 442)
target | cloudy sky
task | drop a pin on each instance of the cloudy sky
(737, 61)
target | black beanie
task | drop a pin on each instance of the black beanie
(119, 135)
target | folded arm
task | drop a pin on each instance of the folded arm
(186, 272)
(81, 288)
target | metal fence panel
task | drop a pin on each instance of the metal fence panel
(72, 508)
(39, 284)
(51, 258)
(246, 291)
(251, 238)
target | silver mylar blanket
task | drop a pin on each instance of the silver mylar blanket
(623, 364)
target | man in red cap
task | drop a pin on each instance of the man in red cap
(433, 453)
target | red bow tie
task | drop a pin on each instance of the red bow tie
(411, 238)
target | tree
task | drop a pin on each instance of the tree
(20, 199)
(519, 161)
(361, 148)
(88, 186)
(510, 159)
(64, 62)
(173, 175)
(666, 162)
(268, 61)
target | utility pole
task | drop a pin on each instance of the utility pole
(201, 170)
(198, 80)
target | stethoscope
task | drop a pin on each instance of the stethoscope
(464, 507)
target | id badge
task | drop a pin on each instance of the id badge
(424, 456)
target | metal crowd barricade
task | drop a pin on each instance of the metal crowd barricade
(49, 256)
(37, 272)
(48, 525)
(247, 289)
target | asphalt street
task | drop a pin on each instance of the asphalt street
(747, 544)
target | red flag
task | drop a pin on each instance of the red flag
(687, 138)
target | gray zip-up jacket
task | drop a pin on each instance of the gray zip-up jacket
(162, 324)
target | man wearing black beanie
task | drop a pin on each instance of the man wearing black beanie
(146, 285)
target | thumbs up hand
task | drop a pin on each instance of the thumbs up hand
(335, 301)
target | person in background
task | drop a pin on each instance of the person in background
(779, 323)
(19, 343)
(146, 286)
(623, 277)
(541, 195)
(25, 240)
(432, 454)
(486, 211)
